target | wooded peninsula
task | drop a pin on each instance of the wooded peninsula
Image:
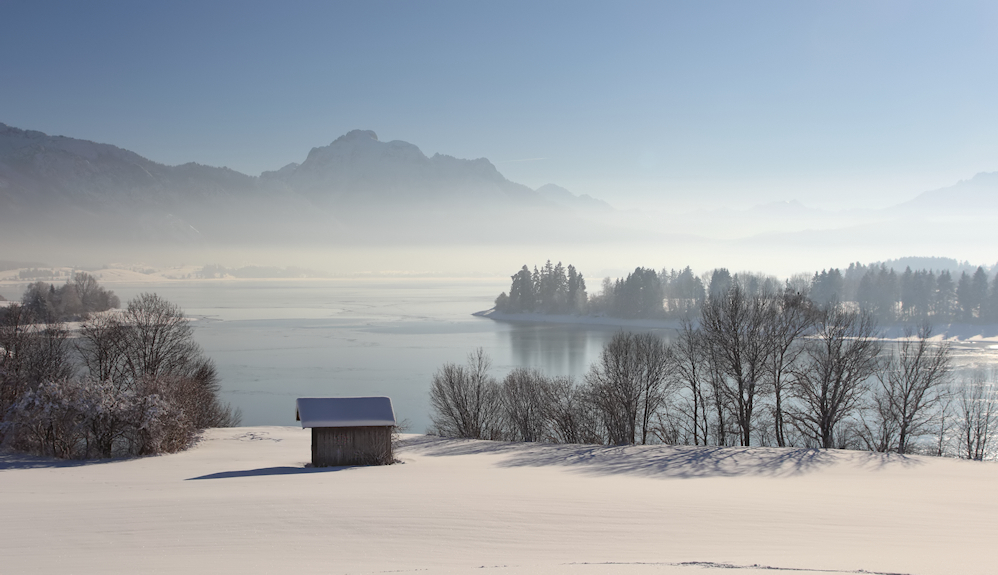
(913, 296)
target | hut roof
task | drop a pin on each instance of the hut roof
(344, 411)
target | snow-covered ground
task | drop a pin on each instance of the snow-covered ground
(242, 501)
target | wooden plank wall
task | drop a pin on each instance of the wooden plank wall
(334, 446)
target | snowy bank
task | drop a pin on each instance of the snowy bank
(242, 501)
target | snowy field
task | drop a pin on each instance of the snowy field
(242, 501)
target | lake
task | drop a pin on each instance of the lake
(276, 340)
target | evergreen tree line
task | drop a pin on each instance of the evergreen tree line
(553, 289)
(912, 295)
(127, 383)
(890, 297)
(766, 368)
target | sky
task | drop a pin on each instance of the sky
(675, 104)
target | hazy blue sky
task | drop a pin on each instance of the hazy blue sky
(737, 102)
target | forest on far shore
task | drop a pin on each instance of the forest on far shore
(923, 295)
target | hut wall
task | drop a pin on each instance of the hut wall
(333, 446)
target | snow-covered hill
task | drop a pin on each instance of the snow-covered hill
(243, 502)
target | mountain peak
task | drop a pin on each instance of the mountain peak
(354, 135)
(978, 192)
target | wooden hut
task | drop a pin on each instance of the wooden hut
(348, 430)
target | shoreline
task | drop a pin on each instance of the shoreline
(567, 319)
(959, 332)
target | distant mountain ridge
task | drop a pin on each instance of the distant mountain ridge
(357, 166)
(80, 185)
(559, 195)
(977, 193)
(36, 167)
(359, 190)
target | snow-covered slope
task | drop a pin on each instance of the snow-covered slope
(243, 502)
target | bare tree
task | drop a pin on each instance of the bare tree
(655, 379)
(160, 339)
(151, 339)
(978, 413)
(47, 356)
(629, 385)
(101, 346)
(787, 325)
(692, 370)
(196, 394)
(944, 423)
(724, 424)
(877, 427)
(523, 394)
(831, 379)
(465, 399)
(734, 327)
(572, 413)
(616, 389)
(909, 387)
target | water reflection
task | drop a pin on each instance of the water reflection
(561, 349)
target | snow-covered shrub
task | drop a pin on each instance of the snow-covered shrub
(149, 389)
(107, 410)
(160, 422)
(87, 418)
(48, 420)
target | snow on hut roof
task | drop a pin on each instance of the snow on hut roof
(344, 411)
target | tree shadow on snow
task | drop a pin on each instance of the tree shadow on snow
(9, 461)
(663, 461)
(263, 471)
